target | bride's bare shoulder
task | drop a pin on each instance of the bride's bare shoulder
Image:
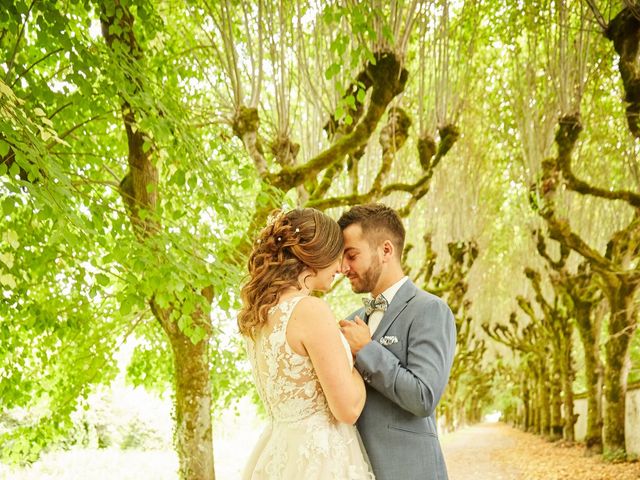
(311, 303)
(313, 308)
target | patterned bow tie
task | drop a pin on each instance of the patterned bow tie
(373, 304)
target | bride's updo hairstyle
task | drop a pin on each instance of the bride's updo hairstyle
(304, 237)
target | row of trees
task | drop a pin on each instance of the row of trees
(578, 289)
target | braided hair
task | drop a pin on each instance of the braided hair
(292, 241)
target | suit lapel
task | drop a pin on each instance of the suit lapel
(406, 292)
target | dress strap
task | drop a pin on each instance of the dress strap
(288, 306)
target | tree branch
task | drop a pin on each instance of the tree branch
(11, 61)
(388, 79)
(429, 160)
(597, 14)
(559, 229)
(26, 70)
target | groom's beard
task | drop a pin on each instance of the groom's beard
(366, 282)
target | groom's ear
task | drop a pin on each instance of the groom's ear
(388, 250)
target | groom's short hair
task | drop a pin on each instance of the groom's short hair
(378, 222)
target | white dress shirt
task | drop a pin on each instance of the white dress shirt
(388, 294)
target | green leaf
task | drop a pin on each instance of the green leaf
(7, 259)
(14, 169)
(10, 236)
(8, 280)
(8, 205)
(4, 148)
(332, 71)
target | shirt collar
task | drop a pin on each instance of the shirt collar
(390, 292)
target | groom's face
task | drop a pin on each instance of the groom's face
(361, 261)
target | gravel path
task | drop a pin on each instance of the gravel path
(499, 452)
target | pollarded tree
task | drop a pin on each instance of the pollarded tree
(450, 283)
(567, 65)
(531, 345)
(581, 296)
(375, 51)
(616, 268)
(556, 322)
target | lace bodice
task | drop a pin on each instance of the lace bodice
(303, 440)
(286, 381)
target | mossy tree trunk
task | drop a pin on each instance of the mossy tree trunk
(589, 332)
(579, 294)
(617, 367)
(139, 190)
(555, 394)
(619, 277)
(526, 406)
(568, 375)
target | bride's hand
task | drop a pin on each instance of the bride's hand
(357, 334)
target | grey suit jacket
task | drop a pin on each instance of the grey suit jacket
(405, 369)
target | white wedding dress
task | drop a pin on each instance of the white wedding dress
(303, 440)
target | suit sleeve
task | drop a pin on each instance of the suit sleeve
(418, 385)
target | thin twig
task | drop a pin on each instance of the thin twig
(26, 70)
(597, 14)
(15, 47)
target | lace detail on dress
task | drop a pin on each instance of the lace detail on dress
(304, 440)
(286, 381)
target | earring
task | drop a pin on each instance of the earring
(304, 282)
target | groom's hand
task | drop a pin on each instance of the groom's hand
(357, 334)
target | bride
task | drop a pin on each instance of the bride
(302, 365)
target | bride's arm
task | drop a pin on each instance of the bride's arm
(317, 329)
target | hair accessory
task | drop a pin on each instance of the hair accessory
(279, 239)
(271, 219)
(259, 240)
(297, 229)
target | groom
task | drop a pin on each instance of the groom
(403, 342)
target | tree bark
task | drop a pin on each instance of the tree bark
(526, 403)
(590, 337)
(555, 392)
(544, 402)
(193, 435)
(193, 432)
(566, 365)
(617, 368)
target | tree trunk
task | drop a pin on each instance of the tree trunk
(590, 336)
(193, 431)
(569, 418)
(544, 403)
(193, 436)
(555, 390)
(621, 330)
(536, 406)
(526, 400)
